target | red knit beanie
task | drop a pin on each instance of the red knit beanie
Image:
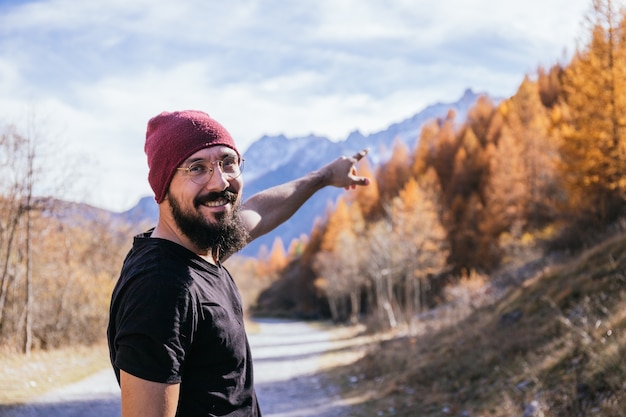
(173, 137)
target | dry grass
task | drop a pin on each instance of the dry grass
(556, 344)
(24, 377)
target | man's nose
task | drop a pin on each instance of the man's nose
(218, 181)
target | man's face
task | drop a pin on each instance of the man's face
(205, 208)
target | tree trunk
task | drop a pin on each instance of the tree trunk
(28, 328)
(355, 304)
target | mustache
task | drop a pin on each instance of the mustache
(213, 196)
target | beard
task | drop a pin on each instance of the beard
(225, 236)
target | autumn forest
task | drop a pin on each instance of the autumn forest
(544, 169)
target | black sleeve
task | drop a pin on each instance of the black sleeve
(154, 328)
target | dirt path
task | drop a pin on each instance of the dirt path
(287, 361)
(287, 358)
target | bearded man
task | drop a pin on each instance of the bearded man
(176, 332)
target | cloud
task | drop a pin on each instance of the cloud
(100, 69)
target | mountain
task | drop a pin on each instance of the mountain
(145, 211)
(273, 160)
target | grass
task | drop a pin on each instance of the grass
(24, 377)
(556, 343)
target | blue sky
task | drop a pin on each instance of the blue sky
(93, 72)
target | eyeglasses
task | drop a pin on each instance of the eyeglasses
(200, 172)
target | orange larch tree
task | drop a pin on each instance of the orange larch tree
(367, 198)
(593, 123)
(464, 197)
(419, 239)
(277, 258)
(394, 173)
(528, 122)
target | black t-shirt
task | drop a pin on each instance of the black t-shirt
(176, 318)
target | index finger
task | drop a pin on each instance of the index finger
(359, 155)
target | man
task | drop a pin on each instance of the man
(176, 334)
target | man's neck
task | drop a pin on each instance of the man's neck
(164, 231)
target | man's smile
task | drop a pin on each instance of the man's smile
(216, 203)
(216, 199)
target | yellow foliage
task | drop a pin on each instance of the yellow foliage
(74, 267)
(590, 122)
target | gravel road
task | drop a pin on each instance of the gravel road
(287, 358)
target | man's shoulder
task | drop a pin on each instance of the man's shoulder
(154, 251)
(155, 262)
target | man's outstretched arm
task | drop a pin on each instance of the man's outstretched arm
(268, 209)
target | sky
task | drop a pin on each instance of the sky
(88, 75)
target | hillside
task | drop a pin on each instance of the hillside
(552, 345)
